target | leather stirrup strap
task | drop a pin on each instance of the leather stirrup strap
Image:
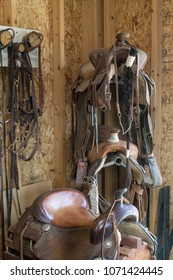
(139, 198)
(2, 195)
(21, 238)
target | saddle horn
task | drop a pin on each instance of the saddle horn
(120, 211)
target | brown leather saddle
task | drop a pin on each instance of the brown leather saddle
(59, 225)
(105, 66)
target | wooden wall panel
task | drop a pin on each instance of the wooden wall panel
(135, 17)
(167, 101)
(1, 12)
(109, 23)
(10, 12)
(92, 26)
(59, 93)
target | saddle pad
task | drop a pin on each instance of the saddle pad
(138, 230)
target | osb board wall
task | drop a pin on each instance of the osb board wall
(1, 11)
(167, 101)
(134, 17)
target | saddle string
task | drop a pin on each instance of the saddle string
(30, 219)
(93, 194)
(117, 238)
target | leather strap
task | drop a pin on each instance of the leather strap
(2, 193)
(139, 198)
(116, 234)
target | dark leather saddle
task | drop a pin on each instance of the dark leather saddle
(102, 68)
(103, 76)
(60, 225)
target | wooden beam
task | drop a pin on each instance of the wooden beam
(153, 209)
(109, 116)
(109, 23)
(92, 26)
(98, 25)
(59, 92)
(10, 18)
(156, 72)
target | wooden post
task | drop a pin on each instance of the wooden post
(10, 18)
(109, 116)
(156, 72)
(109, 23)
(59, 92)
(92, 26)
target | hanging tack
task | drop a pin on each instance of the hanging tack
(32, 40)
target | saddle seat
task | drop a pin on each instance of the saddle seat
(108, 142)
(63, 208)
(111, 146)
